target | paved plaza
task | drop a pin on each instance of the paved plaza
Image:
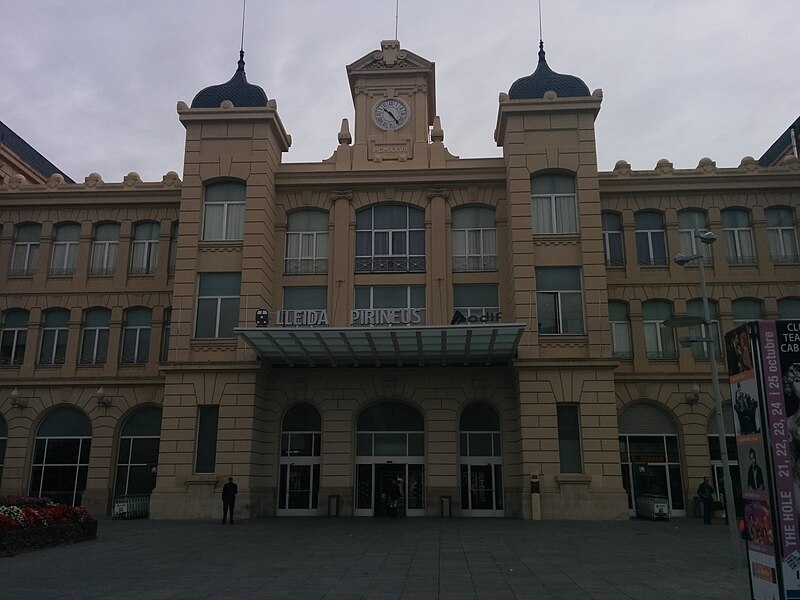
(385, 559)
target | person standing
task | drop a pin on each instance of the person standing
(706, 493)
(229, 491)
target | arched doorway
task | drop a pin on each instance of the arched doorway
(390, 448)
(137, 458)
(649, 456)
(299, 471)
(481, 462)
(717, 470)
(61, 456)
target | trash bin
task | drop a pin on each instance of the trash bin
(445, 506)
(333, 505)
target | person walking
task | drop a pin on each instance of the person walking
(706, 493)
(229, 491)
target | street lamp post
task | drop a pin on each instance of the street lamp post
(709, 238)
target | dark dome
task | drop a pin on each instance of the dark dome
(544, 79)
(237, 90)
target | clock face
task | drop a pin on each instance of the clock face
(390, 113)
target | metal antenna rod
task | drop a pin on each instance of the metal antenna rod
(540, 20)
(244, 8)
(396, 15)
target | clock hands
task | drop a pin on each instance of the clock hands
(388, 112)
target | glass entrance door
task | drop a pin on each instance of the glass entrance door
(374, 483)
(390, 497)
(482, 489)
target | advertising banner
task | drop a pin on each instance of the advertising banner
(765, 389)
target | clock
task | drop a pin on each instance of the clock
(390, 113)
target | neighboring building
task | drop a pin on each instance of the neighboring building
(17, 157)
(785, 145)
(390, 314)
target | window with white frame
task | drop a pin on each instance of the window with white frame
(738, 232)
(746, 309)
(789, 308)
(65, 249)
(55, 330)
(306, 242)
(694, 308)
(559, 300)
(391, 296)
(26, 250)
(475, 299)
(94, 345)
(651, 240)
(304, 306)
(555, 205)
(390, 238)
(218, 305)
(173, 248)
(474, 239)
(659, 341)
(620, 321)
(691, 223)
(782, 235)
(144, 248)
(223, 211)
(14, 336)
(105, 247)
(166, 330)
(136, 336)
(613, 245)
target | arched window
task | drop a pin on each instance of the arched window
(746, 309)
(390, 238)
(144, 248)
(691, 223)
(3, 441)
(555, 206)
(789, 308)
(738, 232)
(26, 249)
(481, 460)
(651, 464)
(136, 336)
(223, 211)
(105, 247)
(659, 341)
(55, 330)
(307, 242)
(694, 308)
(613, 244)
(651, 240)
(300, 460)
(620, 321)
(14, 336)
(137, 459)
(474, 239)
(94, 345)
(782, 235)
(390, 450)
(65, 249)
(61, 456)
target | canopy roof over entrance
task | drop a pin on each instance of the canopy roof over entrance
(473, 344)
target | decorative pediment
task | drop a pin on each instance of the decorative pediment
(390, 56)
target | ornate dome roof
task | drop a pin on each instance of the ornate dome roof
(237, 90)
(544, 79)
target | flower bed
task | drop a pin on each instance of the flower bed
(27, 523)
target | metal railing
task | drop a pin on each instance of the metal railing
(131, 507)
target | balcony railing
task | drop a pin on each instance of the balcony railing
(390, 264)
(29, 271)
(785, 259)
(475, 263)
(305, 266)
(141, 270)
(741, 260)
(102, 271)
(62, 271)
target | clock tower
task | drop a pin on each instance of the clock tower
(394, 94)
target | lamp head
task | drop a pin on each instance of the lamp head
(102, 399)
(16, 401)
(682, 260)
(707, 237)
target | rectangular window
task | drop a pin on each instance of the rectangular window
(223, 211)
(569, 438)
(475, 300)
(13, 337)
(651, 241)
(559, 300)
(369, 301)
(136, 337)
(613, 245)
(659, 341)
(217, 305)
(165, 335)
(206, 455)
(620, 329)
(555, 207)
(26, 250)
(105, 246)
(63, 262)
(738, 237)
(474, 239)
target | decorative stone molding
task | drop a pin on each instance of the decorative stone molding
(706, 165)
(622, 167)
(93, 180)
(171, 179)
(438, 193)
(664, 167)
(344, 136)
(56, 179)
(17, 181)
(749, 164)
(131, 179)
(226, 105)
(341, 195)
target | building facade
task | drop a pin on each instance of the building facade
(472, 330)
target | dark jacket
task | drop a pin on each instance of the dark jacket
(229, 491)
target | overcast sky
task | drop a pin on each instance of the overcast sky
(93, 84)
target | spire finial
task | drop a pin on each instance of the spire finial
(541, 42)
(541, 52)
(240, 64)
